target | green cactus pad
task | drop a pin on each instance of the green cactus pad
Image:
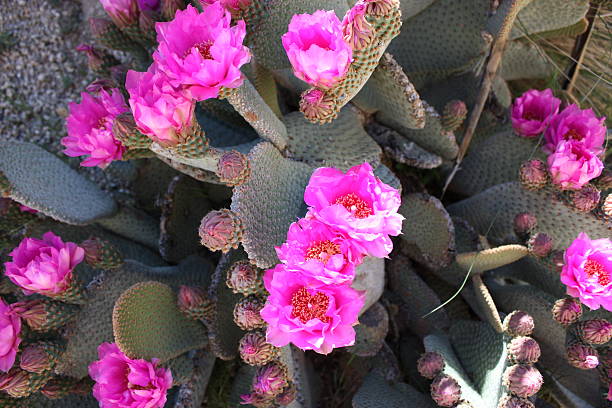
(489, 259)
(370, 277)
(70, 401)
(148, 324)
(418, 297)
(388, 177)
(133, 224)
(191, 394)
(275, 191)
(401, 150)
(524, 61)
(548, 334)
(390, 95)
(342, 143)
(223, 333)
(371, 331)
(376, 392)
(494, 161)
(428, 230)
(302, 374)
(94, 324)
(183, 206)
(414, 7)
(546, 15)
(497, 206)
(433, 137)
(181, 368)
(249, 103)
(43, 182)
(241, 385)
(443, 38)
(482, 353)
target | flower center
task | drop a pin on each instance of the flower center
(307, 307)
(203, 48)
(573, 134)
(531, 116)
(594, 268)
(355, 205)
(322, 250)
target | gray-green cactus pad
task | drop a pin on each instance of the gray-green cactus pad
(42, 181)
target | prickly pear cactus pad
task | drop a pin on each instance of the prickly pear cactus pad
(305, 203)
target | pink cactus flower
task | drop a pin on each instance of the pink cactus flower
(357, 204)
(160, 110)
(533, 111)
(201, 52)
(316, 48)
(90, 128)
(307, 312)
(25, 208)
(576, 124)
(43, 265)
(122, 382)
(10, 329)
(233, 6)
(587, 272)
(573, 165)
(320, 252)
(122, 12)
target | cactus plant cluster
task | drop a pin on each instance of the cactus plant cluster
(282, 158)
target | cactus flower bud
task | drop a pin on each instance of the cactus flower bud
(123, 12)
(430, 365)
(16, 383)
(169, 8)
(540, 244)
(453, 115)
(43, 314)
(566, 311)
(257, 400)
(233, 168)
(596, 331)
(109, 35)
(243, 277)
(607, 205)
(246, 313)
(255, 351)
(101, 254)
(445, 391)
(59, 387)
(522, 380)
(98, 61)
(357, 31)
(126, 131)
(518, 323)
(533, 174)
(524, 350)
(39, 357)
(220, 230)
(582, 356)
(524, 224)
(515, 402)
(318, 106)
(287, 396)
(585, 199)
(271, 379)
(194, 303)
(381, 7)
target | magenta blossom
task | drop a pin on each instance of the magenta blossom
(572, 165)
(358, 204)
(320, 252)
(316, 48)
(161, 111)
(201, 52)
(43, 265)
(533, 111)
(125, 383)
(307, 312)
(576, 124)
(122, 12)
(587, 271)
(90, 128)
(10, 330)
(25, 208)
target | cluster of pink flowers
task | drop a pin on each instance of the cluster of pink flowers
(122, 382)
(573, 137)
(311, 303)
(587, 271)
(90, 128)
(317, 49)
(197, 55)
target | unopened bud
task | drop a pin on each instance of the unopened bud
(533, 174)
(445, 391)
(381, 7)
(453, 115)
(596, 331)
(59, 387)
(254, 350)
(16, 383)
(515, 402)
(246, 313)
(524, 224)
(44, 314)
(271, 379)
(126, 131)
(220, 230)
(101, 254)
(233, 168)
(522, 380)
(194, 303)
(287, 396)
(430, 365)
(244, 278)
(524, 350)
(99, 62)
(540, 245)
(586, 199)
(318, 106)
(582, 356)
(607, 205)
(566, 311)
(518, 323)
